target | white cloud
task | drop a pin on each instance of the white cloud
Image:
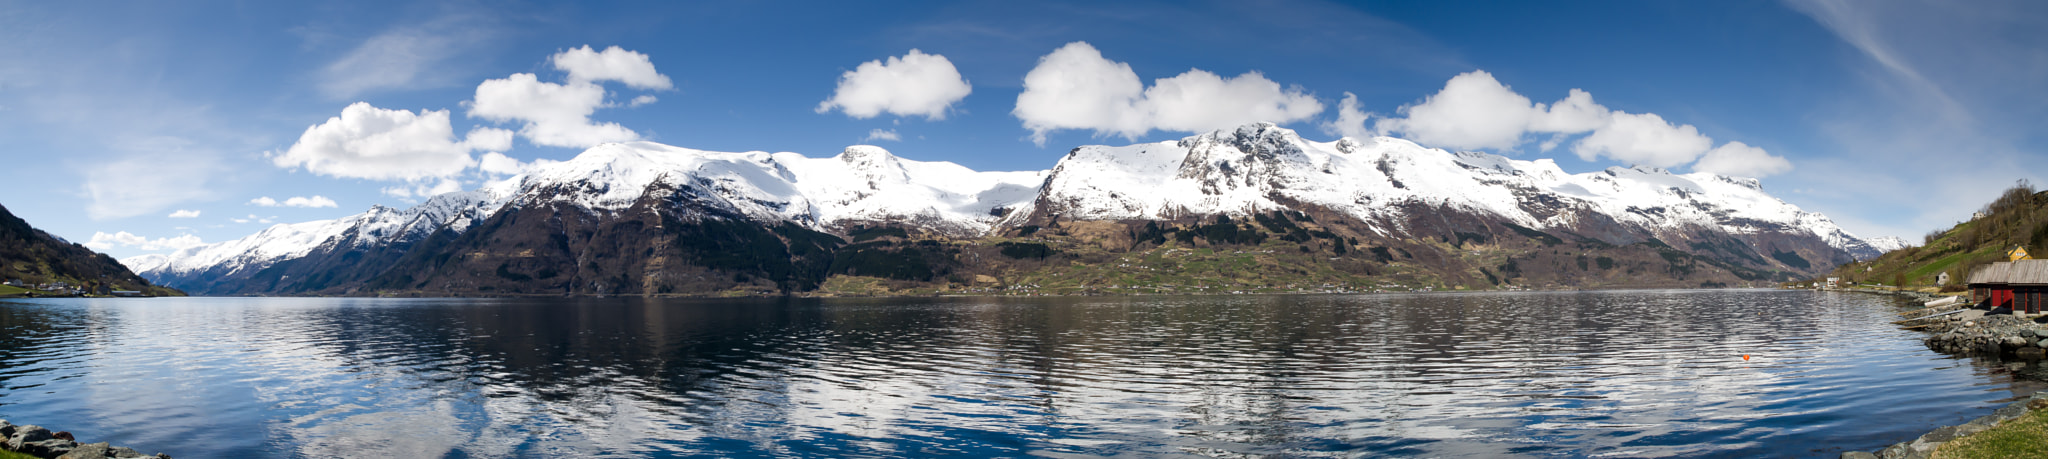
(883, 134)
(295, 201)
(613, 64)
(1476, 111)
(643, 99)
(493, 163)
(1350, 120)
(1741, 160)
(1644, 139)
(103, 241)
(556, 115)
(1074, 87)
(182, 213)
(374, 143)
(1200, 101)
(488, 139)
(916, 84)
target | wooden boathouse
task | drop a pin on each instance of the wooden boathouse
(2020, 285)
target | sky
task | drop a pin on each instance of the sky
(143, 127)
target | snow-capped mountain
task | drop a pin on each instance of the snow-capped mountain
(862, 184)
(1262, 167)
(626, 195)
(1887, 243)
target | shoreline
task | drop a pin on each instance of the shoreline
(1966, 334)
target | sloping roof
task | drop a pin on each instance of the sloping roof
(2022, 272)
(1990, 274)
(2028, 272)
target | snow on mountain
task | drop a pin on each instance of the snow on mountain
(286, 241)
(866, 183)
(863, 183)
(1887, 243)
(1254, 167)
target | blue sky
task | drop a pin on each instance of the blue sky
(1892, 117)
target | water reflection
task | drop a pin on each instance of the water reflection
(1597, 373)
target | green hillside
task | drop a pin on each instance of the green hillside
(35, 257)
(2018, 218)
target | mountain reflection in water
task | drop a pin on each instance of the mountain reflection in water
(1631, 373)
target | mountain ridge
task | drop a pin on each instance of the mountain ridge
(37, 257)
(1385, 191)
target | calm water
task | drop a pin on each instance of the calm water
(1642, 373)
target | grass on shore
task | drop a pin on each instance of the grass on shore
(5, 454)
(2026, 436)
(10, 290)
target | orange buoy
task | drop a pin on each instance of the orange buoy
(1745, 357)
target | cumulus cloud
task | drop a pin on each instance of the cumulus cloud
(1644, 139)
(374, 143)
(1350, 120)
(916, 84)
(1741, 160)
(1476, 111)
(1074, 87)
(585, 65)
(488, 139)
(295, 201)
(182, 213)
(884, 134)
(556, 115)
(104, 241)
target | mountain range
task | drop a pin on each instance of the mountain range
(1255, 208)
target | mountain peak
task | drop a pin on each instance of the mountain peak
(874, 163)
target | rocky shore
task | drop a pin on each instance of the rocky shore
(40, 442)
(1973, 333)
(1924, 446)
(1960, 329)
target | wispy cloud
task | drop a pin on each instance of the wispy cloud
(1940, 95)
(407, 56)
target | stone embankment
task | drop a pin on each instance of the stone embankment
(40, 442)
(1924, 446)
(1971, 332)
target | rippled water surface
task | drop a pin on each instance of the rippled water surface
(1641, 373)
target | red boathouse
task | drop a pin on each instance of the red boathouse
(2021, 285)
